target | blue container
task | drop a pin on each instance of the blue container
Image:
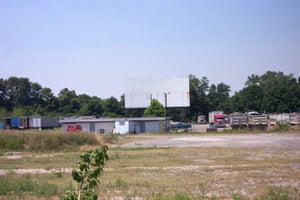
(1, 125)
(14, 122)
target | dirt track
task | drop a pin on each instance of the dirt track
(290, 141)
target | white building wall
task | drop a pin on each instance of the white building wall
(122, 127)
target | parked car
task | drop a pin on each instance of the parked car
(211, 128)
(73, 128)
(180, 125)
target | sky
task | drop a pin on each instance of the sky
(93, 46)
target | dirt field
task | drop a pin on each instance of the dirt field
(242, 163)
(195, 164)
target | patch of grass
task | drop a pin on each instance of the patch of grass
(237, 196)
(41, 141)
(110, 138)
(12, 141)
(120, 184)
(181, 196)
(282, 126)
(12, 185)
(166, 173)
(280, 193)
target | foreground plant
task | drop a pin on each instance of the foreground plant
(87, 175)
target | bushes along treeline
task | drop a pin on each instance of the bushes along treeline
(270, 92)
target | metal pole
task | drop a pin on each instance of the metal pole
(166, 113)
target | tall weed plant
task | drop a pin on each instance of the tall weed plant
(282, 126)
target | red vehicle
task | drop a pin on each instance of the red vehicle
(217, 118)
(73, 128)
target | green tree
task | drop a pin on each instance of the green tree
(277, 96)
(18, 91)
(155, 109)
(218, 96)
(3, 113)
(68, 104)
(19, 111)
(112, 107)
(270, 92)
(4, 103)
(92, 106)
(49, 102)
(213, 98)
(198, 97)
(90, 167)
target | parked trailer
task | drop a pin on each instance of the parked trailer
(216, 118)
(2, 125)
(23, 122)
(258, 121)
(30, 122)
(13, 122)
(201, 119)
(43, 122)
(238, 120)
(279, 117)
(294, 118)
(17, 122)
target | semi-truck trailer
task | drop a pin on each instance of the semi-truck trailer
(217, 118)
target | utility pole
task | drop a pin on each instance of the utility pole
(166, 112)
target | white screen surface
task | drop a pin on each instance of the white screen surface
(139, 92)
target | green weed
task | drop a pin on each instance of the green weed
(282, 126)
(24, 184)
(280, 193)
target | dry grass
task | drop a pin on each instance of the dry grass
(199, 171)
(139, 173)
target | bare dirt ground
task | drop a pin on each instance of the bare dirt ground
(280, 151)
(289, 141)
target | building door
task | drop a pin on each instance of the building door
(92, 127)
(142, 127)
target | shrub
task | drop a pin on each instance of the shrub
(90, 167)
(282, 126)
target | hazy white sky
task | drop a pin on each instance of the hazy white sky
(92, 46)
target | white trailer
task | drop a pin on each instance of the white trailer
(43, 122)
(294, 118)
(238, 120)
(259, 121)
(277, 117)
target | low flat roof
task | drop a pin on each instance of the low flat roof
(79, 120)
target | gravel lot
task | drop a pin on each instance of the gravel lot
(289, 141)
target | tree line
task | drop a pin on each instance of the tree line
(270, 92)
